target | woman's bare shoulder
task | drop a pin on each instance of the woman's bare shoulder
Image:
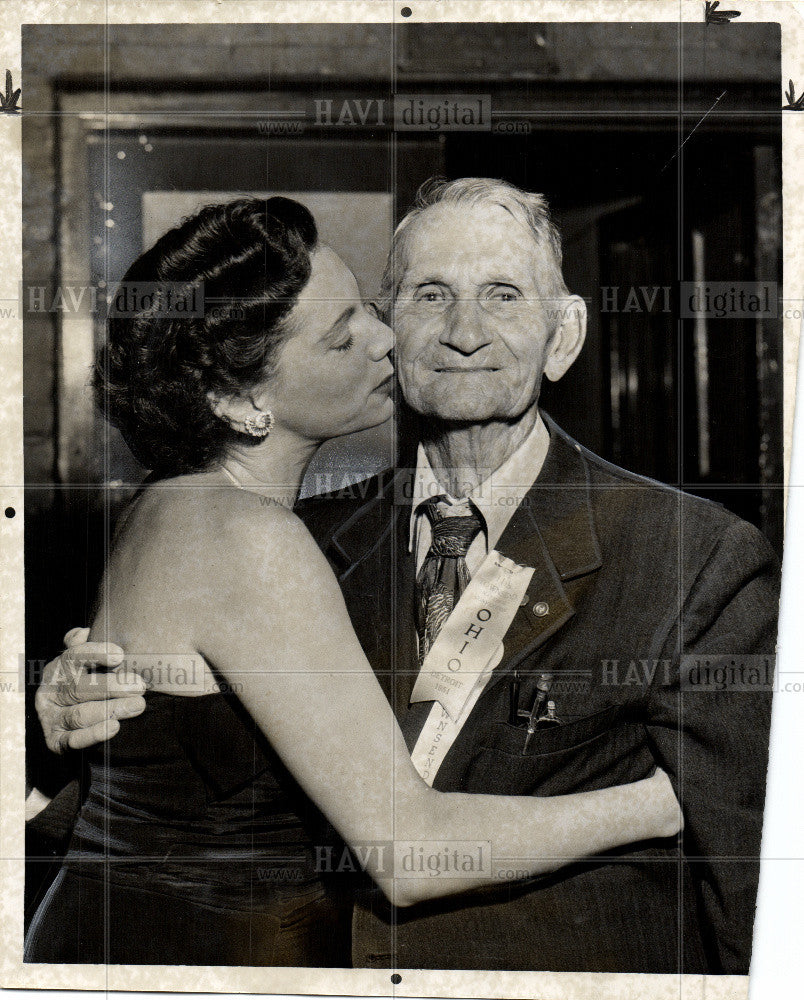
(197, 514)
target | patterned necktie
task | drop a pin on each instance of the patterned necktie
(444, 575)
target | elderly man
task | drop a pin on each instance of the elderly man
(590, 681)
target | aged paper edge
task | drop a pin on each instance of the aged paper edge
(545, 986)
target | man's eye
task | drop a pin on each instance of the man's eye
(503, 295)
(346, 345)
(430, 295)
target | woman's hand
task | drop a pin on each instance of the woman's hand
(664, 805)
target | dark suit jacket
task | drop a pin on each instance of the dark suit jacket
(635, 575)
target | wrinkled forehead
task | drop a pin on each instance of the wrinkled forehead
(468, 242)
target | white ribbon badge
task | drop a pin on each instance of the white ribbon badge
(466, 650)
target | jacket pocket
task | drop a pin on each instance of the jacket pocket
(510, 739)
(596, 751)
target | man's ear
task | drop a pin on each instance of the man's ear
(567, 341)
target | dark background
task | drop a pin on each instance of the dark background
(614, 138)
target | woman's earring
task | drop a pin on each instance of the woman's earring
(259, 426)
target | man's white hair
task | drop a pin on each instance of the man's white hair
(529, 209)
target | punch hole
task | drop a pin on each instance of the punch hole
(10, 512)
(396, 979)
(406, 12)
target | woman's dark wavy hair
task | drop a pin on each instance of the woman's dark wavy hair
(249, 260)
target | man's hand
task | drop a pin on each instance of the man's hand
(79, 705)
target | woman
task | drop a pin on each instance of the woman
(198, 839)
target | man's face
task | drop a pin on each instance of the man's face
(472, 323)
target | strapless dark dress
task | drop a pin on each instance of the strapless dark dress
(194, 846)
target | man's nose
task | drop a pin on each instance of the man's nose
(465, 330)
(381, 340)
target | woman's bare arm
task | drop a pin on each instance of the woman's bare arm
(279, 632)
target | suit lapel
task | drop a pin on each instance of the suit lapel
(369, 552)
(364, 531)
(553, 531)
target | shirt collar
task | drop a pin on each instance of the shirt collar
(497, 497)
